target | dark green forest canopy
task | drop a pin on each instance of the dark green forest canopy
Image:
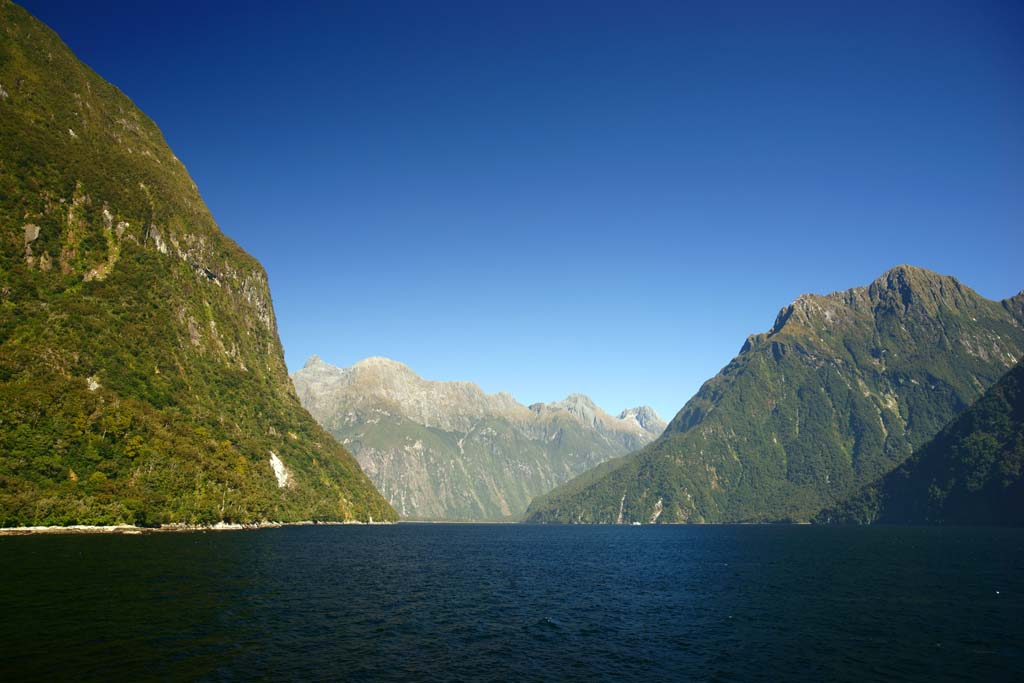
(969, 474)
(141, 375)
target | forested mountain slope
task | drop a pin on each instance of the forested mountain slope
(969, 474)
(840, 391)
(141, 375)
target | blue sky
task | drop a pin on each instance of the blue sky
(554, 197)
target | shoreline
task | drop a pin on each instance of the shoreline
(130, 530)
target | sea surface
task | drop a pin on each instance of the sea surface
(463, 602)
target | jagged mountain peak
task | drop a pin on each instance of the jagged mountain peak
(646, 417)
(380, 380)
(392, 385)
(580, 406)
(382, 362)
(577, 403)
(449, 450)
(1015, 304)
(842, 389)
(915, 276)
(901, 290)
(906, 270)
(583, 409)
(906, 288)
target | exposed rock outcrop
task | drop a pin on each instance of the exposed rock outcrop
(449, 450)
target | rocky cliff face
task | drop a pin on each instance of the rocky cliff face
(141, 374)
(448, 450)
(838, 392)
(646, 418)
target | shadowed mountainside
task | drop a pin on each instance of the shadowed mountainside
(969, 474)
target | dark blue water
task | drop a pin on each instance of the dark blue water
(517, 603)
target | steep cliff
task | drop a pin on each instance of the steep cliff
(141, 375)
(448, 450)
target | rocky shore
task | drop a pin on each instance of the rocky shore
(128, 529)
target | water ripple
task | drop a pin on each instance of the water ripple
(499, 603)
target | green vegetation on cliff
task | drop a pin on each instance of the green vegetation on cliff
(969, 474)
(841, 390)
(141, 376)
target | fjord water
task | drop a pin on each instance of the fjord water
(494, 602)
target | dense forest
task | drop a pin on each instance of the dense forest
(141, 375)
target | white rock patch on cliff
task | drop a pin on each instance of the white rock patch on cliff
(284, 477)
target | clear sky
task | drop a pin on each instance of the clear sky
(600, 197)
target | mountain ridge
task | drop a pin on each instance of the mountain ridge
(449, 450)
(837, 392)
(142, 379)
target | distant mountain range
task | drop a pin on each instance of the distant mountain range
(142, 380)
(840, 391)
(447, 450)
(971, 473)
